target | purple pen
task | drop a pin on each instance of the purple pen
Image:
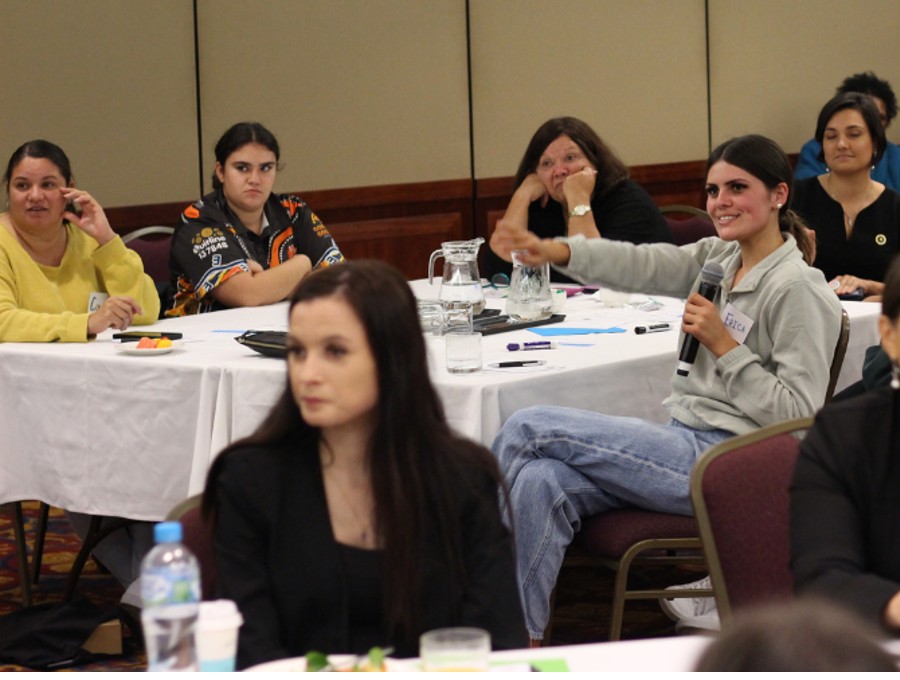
(538, 344)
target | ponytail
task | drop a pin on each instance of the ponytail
(793, 224)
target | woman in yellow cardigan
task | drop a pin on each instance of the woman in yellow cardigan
(64, 274)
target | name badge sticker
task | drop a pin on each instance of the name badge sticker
(95, 300)
(736, 323)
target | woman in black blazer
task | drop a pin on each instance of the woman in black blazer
(354, 517)
(845, 495)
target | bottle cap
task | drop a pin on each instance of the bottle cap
(167, 532)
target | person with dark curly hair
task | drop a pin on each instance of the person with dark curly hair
(887, 171)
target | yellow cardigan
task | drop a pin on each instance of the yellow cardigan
(50, 304)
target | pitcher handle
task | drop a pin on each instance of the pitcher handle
(435, 255)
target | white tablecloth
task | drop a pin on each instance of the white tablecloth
(668, 654)
(86, 428)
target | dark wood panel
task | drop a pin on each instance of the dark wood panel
(403, 223)
(405, 242)
(128, 218)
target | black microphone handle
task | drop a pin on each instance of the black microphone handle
(690, 345)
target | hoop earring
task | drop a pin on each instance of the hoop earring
(895, 375)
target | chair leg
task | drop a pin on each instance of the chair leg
(96, 533)
(37, 554)
(22, 553)
(618, 603)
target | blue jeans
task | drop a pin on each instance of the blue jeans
(562, 464)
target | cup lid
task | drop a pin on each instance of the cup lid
(219, 613)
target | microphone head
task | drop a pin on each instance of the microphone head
(712, 273)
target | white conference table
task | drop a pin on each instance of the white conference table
(666, 654)
(86, 428)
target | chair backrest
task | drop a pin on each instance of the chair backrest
(839, 351)
(197, 535)
(152, 244)
(740, 492)
(690, 229)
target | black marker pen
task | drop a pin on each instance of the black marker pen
(518, 364)
(655, 328)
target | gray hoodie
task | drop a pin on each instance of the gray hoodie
(782, 369)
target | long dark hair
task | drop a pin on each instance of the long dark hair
(867, 109)
(237, 136)
(39, 148)
(415, 446)
(890, 299)
(766, 161)
(610, 170)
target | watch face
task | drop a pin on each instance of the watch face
(580, 210)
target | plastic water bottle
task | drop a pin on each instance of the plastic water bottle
(170, 590)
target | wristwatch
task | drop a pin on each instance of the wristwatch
(580, 210)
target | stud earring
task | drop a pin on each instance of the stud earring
(895, 375)
(779, 205)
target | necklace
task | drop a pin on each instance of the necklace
(363, 526)
(850, 216)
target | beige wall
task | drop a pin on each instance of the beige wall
(774, 63)
(613, 64)
(113, 84)
(358, 92)
(364, 92)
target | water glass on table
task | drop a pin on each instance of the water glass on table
(463, 351)
(431, 317)
(455, 649)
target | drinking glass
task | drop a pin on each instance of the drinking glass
(463, 351)
(455, 649)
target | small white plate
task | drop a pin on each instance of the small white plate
(132, 348)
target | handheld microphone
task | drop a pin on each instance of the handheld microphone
(710, 277)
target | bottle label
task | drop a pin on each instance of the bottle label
(164, 587)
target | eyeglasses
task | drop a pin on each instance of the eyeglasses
(498, 281)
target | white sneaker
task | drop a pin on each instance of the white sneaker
(692, 612)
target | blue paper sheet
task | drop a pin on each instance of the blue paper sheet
(551, 331)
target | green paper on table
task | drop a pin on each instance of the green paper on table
(551, 331)
(542, 665)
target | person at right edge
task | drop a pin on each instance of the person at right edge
(770, 363)
(845, 495)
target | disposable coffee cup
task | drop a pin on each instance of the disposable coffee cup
(217, 635)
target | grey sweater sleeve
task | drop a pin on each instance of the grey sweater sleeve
(661, 268)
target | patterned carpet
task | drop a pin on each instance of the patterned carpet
(581, 614)
(60, 547)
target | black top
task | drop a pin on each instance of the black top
(625, 213)
(278, 560)
(365, 607)
(845, 504)
(874, 240)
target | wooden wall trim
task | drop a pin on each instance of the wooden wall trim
(403, 223)
(387, 194)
